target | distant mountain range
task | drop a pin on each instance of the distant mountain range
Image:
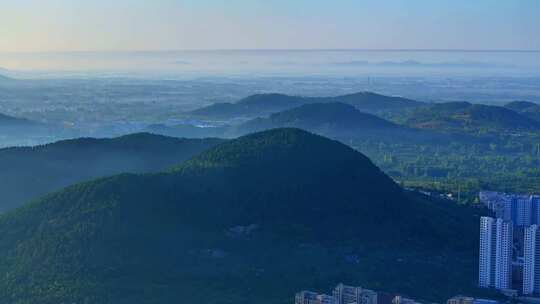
(416, 64)
(265, 104)
(332, 119)
(340, 115)
(460, 117)
(336, 120)
(467, 117)
(251, 220)
(27, 173)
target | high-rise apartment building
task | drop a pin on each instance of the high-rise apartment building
(496, 240)
(531, 263)
(522, 210)
(518, 209)
(535, 209)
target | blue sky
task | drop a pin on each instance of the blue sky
(81, 25)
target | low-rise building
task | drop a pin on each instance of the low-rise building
(311, 297)
(344, 294)
(485, 301)
(469, 300)
(460, 300)
(325, 299)
(306, 297)
(403, 300)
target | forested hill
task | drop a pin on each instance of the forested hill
(265, 104)
(337, 120)
(252, 220)
(253, 106)
(33, 171)
(519, 106)
(332, 119)
(526, 108)
(467, 117)
(373, 103)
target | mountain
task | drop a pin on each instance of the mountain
(336, 120)
(252, 220)
(255, 105)
(265, 104)
(520, 106)
(15, 129)
(331, 119)
(30, 172)
(464, 116)
(526, 108)
(373, 103)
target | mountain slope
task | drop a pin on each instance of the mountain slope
(519, 106)
(265, 104)
(252, 220)
(14, 122)
(464, 116)
(30, 172)
(373, 103)
(526, 108)
(4, 78)
(254, 105)
(337, 120)
(21, 131)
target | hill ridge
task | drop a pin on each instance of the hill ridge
(52, 166)
(159, 238)
(263, 104)
(468, 117)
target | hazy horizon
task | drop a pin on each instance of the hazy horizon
(193, 63)
(62, 25)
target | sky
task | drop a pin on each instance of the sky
(131, 25)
